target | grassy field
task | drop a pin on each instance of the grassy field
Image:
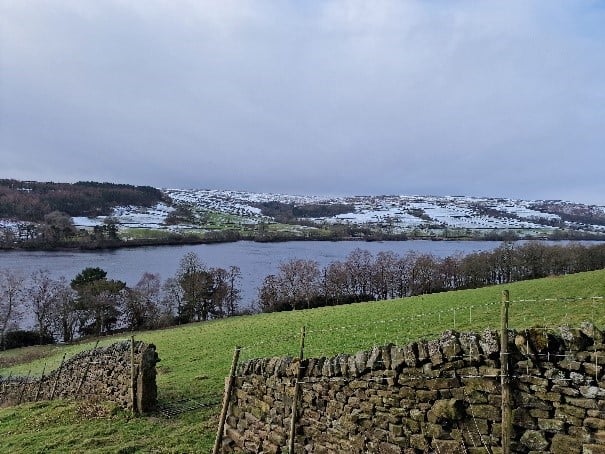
(195, 359)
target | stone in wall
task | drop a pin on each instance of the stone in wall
(437, 396)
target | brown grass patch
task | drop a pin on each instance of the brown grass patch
(14, 357)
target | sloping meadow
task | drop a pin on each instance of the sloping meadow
(195, 358)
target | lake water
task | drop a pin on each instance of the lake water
(256, 260)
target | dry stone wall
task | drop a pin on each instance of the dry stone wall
(441, 396)
(102, 373)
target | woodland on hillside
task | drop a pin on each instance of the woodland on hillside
(32, 201)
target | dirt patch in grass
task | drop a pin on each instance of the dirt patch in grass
(24, 355)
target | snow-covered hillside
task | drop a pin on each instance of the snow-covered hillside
(394, 214)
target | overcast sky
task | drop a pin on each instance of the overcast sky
(484, 98)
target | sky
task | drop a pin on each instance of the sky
(334, 97)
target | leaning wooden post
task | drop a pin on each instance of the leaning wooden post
(90, 359)
(52, 394)
(296, 392)
(40, 384)
(5, 381)
(504, 377)
(226, 398)
(25, 382)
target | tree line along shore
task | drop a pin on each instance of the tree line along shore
(93, 304)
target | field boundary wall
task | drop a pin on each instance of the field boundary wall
(123, 373)
(442, 395)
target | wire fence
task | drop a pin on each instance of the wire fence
(525, 317)
(175, 408)
(546, 314)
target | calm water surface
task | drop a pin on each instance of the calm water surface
(256, 260)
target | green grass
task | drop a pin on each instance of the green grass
(132, 233)
(195, 358)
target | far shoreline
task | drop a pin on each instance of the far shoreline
(188, 241)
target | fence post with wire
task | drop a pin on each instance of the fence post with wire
(451, 393)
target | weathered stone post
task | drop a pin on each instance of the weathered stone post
(147, 391)
(133, 378)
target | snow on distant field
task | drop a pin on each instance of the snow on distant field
(130, 216)
(384, 213)
(466, 218)
(521, 210)
(143, 217)
(227, 202)
(396, 212)
(10, 225)
(83, 222)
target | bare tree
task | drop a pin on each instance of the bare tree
(335, 282)
(269, 295)
(233, 294)
(384, 272)
(57, 226)
(11, 300)
(194, 278)
(300, 281)
(173, 298)
(423, 274)
(448, 273)
(65, 314)
(42, 293)
(141, 308)
(475, 269)
(359, 265)
(219, 291)
(403, 275)
(206, 292)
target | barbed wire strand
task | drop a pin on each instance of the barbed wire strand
(474, 422)
(286, 338)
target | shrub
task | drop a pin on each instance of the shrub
(23, 338)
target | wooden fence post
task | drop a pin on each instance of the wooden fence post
(25, 382)
(504, 376)
(52, 394)
(296, 392)
(40, 384)
(6, 381)
(226, 398)
(83, 379)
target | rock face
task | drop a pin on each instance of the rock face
(104, 373)
(438, 396)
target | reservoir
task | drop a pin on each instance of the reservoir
(255, 260)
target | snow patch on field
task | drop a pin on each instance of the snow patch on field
(7, 224)
(130, 216)
(151, 218)
(396, 213)
(83, 222)
(523, 211)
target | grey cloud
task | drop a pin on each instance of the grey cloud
(316, 97)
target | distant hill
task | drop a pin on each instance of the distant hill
(397, 213)
(32, 201)
(158, 216)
